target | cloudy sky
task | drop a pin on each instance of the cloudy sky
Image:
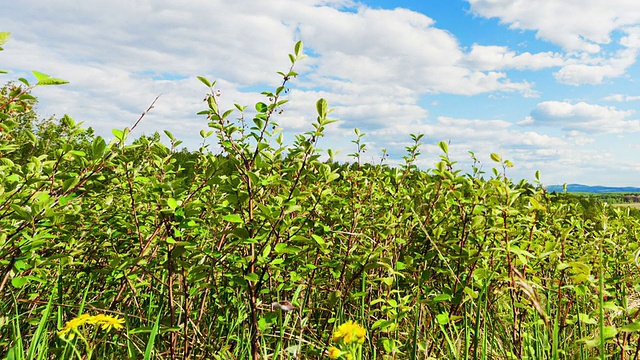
(549, 84)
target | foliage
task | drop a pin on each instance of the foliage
(259, 250)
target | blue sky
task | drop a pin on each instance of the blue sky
(549, 84)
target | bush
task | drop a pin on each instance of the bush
(262, 249)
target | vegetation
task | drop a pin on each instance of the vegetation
(135, 249)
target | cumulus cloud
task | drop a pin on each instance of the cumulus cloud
(581, 28)
(118, 56)
(596, 70)
(395, 47)
(582, 117)
(488, 58)
(574, 25)
(632, 39)
(621, 98)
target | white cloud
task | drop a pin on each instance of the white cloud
(395, 47)
(490, 58)
(632, 40)
(621, 98)
(597, 69)
(579, 138)
(581, 28)
(582, 117)
(574, 25)
(370, 63)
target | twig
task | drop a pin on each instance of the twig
(145, 112)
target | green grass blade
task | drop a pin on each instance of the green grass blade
(39, 339)
(17, 351)
(152, 337)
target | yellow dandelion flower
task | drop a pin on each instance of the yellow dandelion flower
(76, 322)
(350, 332)
(334, 352)
(105, 322)
(108, 322)
(72, 325)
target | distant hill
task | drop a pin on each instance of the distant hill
(593, 189)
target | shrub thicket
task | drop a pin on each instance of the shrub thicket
(262, 249)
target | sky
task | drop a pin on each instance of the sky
(550, 85)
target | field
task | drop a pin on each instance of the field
(631, 205)
(132, 248)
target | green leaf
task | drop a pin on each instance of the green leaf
(205, 134)
(51, 81)
(381, 324)
(442, 297)
(586, 319)
(98, 147)
(470, 292)
(204, 81)
(172, 203)
(212, 103)
(633, 327)
(63, 201)
(233, 218)
(321, 107)
(298, 48)
(261, 107)
(444, 147)
(282, 248)
(22, 213)
(40, 76)
(320, 241)
(119, 134)
(252, 277)
(169, 135)
(443, 318)
(18, 282)
(495, 157)
(4, 37)
(609, 332)
(152, 337)
(266, 251)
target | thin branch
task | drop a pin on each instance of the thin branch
(145, 112)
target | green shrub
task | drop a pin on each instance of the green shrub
(260, 250)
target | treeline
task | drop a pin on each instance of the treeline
(593, 205)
